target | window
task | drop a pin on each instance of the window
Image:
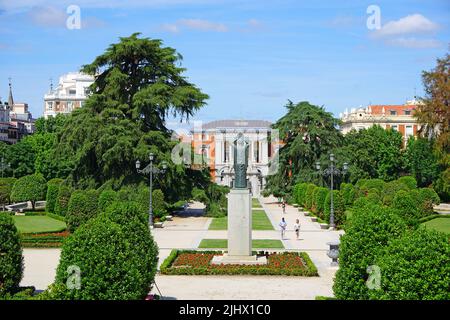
(50, 105)
(69, 106)
(409, 131)
(72, 92)
(393, 113)
(407, 112)
(256, 151)
(226, 152)
(395, 127)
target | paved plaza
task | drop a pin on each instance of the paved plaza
(187, 230)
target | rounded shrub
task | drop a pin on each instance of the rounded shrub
(29, 188)
(427, 199)
(115, 254)
(11, 260)
(82, 207)
(300, 194)
(106, 198)
(309, 196)
(415, 267)
(339, 208)
(390, 189)
(52, 194)
(408, 181)
(407, 206)
(365, 185)
(62, 200)
(319, 201)
(348, 193)
(371, 228)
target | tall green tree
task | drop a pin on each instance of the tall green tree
(138, 83)
(308, 132)
(422, 161)
(373, 153)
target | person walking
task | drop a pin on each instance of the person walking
(284, 206)
(283, 226)
(297, 228)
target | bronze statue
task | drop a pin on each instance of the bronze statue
(241, 147)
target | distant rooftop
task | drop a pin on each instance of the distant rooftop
(237, 124)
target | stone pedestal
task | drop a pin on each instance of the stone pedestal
(239, 223)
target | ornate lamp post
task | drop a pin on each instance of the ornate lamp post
(149, 169)
(332, 171)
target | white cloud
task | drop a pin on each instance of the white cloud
(412, 24)
(194, 24)
(414, 43)
(403, 32)
(48, 16)
(203, 25)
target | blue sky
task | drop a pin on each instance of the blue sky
(249, 56)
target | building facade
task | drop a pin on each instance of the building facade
(214, 143)
(15, 120)
(70, 94)
(396, 117)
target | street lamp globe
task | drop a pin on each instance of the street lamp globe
(138, 164)
(318, 165)
(331, 157)
(151, 156)
(345, 166)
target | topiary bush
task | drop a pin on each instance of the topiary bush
(309, 195)
(371, 228)
(11, 260)
(408, 181)
(106, 198)
(364, 185)
(415, 267)
(62, 200)
(6, 186)
(115, 253)
(300, 193)
(82, 207)
(408, 206)
(29, 188)
(427, 199)
(319, 201)
(348, 193)
(52, 194)
(339, 208)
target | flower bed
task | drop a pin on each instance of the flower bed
(43, 240)
(191, 262)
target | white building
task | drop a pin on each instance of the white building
(215, 142)
(70, 94)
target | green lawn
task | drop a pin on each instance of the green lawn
(256, 244)
(32, 224)
(260, 221)
(255, 203)
(439, 224)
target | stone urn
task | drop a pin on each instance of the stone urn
(333, 253)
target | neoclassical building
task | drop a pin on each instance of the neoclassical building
(396, 117)
(70, 94)
(214, 142)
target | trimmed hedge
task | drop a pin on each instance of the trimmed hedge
(52, 194)
(408, 181)
(11, 260)
(348, 192)
(116, 255)
(300, 193)
(319, 200)
(408, 206)
(309, 195)
(370, 230)
(62, 200)
(106, 198)
(82, 207)
(415, 267)
(339, 208)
